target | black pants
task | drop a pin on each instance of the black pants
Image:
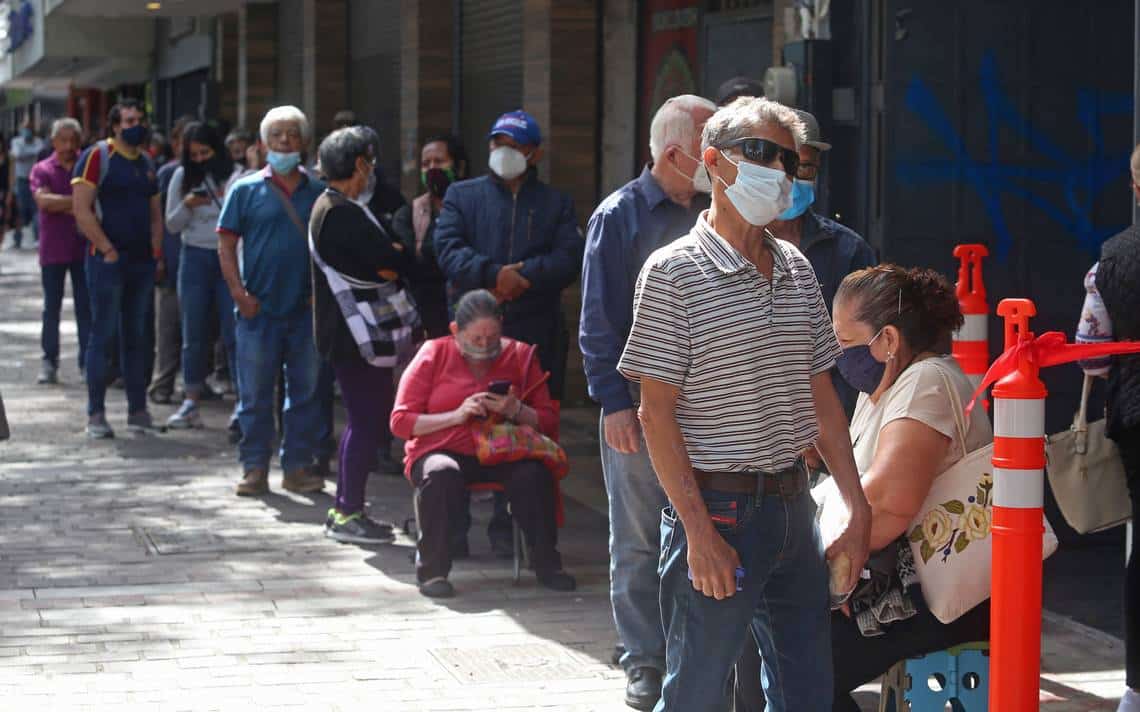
(1129, 444)
(858, 660)
(442, 478)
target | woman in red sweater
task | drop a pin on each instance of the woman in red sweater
(442, 391)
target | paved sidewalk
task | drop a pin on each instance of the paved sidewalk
(131, 577)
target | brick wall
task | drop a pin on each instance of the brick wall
(226, 69)
(331, 62)
(426, 82)
(257, 63)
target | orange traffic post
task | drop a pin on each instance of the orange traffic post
(971, 345)
(1018, 512)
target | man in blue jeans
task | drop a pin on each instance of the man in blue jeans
(24, 152)
(268, 211)
(62, 249)
(732, 345)
(116, 205)
(645, 214)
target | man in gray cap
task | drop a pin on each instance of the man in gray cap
(834, 250)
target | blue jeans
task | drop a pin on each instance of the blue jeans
(636, 500)
(264, 345)
(121, 297)
(202, 291)
(26, 209)
(54, 278)
(784, 601)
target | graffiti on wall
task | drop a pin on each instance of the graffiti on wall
(1051, 179)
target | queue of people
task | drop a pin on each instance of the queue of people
(739, 345)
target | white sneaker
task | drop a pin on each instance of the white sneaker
(187, 417)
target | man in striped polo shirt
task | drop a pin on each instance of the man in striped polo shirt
(732, 344)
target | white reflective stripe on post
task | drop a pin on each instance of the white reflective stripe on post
(1014, 418)
(976, 328)
(1019, 489)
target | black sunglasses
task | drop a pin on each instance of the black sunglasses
(762, 150)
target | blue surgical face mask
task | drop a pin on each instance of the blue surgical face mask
(803, 195)
(283, 163)
(134, 135)
(860, 368)
(28, 134)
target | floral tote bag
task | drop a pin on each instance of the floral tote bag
(951, 536)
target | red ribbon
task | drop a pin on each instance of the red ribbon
(1049, 349)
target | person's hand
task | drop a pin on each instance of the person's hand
(247, 305)
(713, 564)
(510, 283)
(470, 408)
(506, 406)
(855, 542)
(623, 432)
(195, 201)
(253, 156)
(111, 256)
(812, 458)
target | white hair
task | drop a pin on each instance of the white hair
(285, 114)
(741, 118)
(66, 124)
(673, 124)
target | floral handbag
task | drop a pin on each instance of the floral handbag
(951, 536)
(498, 441)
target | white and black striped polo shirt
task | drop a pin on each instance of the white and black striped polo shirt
(741, 350)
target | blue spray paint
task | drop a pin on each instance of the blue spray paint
(1081, 179)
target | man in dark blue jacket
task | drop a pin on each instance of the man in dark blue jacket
(512, 234)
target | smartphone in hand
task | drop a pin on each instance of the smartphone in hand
(499, 388)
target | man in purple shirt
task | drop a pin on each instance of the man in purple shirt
(61, 248)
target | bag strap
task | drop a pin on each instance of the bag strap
(955, 404)
(1080, 425)
(289, 209)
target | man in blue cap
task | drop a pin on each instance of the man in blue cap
(518, 237)
(512, 234)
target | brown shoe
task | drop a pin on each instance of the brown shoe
(255, 482)
(302, 481)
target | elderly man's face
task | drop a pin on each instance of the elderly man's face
(66, 145)
(285, 137)
(726, 169)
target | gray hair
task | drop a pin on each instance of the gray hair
(673, 124)
(475, 305)
(66, 124)
(285, 114)
(741, 118)
(340, 149)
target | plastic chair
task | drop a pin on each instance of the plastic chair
(959, 676)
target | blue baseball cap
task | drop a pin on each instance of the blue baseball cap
(520, 126)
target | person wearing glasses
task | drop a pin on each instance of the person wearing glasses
(834, 250)
(732, 346)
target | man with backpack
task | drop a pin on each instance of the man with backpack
(117, 208)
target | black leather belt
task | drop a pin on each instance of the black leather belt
(787, 483)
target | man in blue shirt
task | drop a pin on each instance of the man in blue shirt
(116, 206)
(659, 206)
(268, 211)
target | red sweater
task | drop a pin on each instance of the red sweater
(438, 380)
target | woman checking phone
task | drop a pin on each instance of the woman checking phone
(193, 203)
(443, 391)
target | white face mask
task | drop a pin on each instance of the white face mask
(365, 196)
(507, 163)
(701, 181)
(759, 194)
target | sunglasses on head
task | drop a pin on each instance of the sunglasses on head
(764, 151)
